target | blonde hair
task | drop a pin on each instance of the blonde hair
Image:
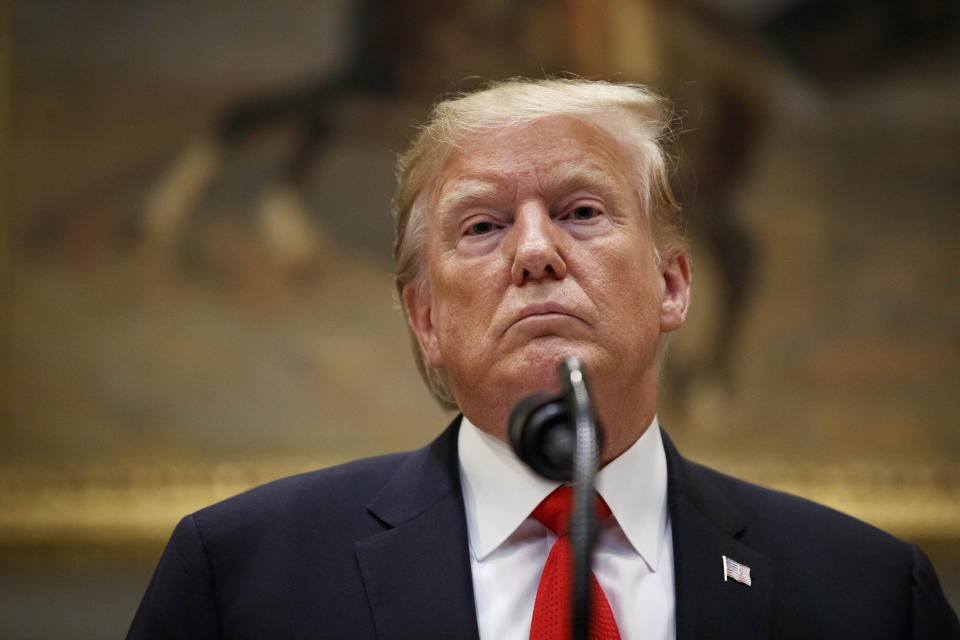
(633, 115)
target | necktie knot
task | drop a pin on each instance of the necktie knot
(554, 511)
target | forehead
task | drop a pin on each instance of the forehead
(552, 153)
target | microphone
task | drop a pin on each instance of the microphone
(542, 431)
(542, 435)
(557, 436)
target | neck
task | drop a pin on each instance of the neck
(623, 416)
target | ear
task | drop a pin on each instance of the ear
(676, 295)
(418, 307)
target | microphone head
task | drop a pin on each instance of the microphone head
(542, 435)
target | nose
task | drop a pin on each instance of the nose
(537, 250)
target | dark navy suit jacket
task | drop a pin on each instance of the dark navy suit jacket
(378, 549)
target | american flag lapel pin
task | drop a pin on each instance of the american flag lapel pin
(733, 570)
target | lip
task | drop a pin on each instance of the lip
(542, 309)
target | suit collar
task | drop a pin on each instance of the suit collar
(707, 525)
(427, 476)
(687, 479)
(417, 572)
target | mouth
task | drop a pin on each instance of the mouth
(543, 312)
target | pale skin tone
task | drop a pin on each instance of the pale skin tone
(537, 250)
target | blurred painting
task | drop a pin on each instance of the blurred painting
(197, 246)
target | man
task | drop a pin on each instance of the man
(535, 222)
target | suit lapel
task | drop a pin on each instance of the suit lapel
(707, 526)
(417, 572)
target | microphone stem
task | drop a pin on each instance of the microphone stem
(582, 519)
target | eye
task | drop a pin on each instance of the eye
(584, 213)
(480, 228)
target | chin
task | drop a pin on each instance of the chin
(535, 366)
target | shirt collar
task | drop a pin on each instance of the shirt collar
(500, 491)
(634, 485)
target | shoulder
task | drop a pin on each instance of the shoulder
(775, 522)
(350, 481)
(797, 526)
(327, 507)
(814, 547)
(831, 568)
(338, 491)
(267, 546)
(816, 550)
(763, 506)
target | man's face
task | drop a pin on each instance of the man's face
(536, 251)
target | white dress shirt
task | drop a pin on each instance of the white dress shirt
(633, 558)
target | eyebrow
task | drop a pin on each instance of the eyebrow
(467, 192)
(568, 177)
(565, 177)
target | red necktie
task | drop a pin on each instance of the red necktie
(552, 614)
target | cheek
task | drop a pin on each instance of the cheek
(461, 311)
(469, 288)
(632, 290)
